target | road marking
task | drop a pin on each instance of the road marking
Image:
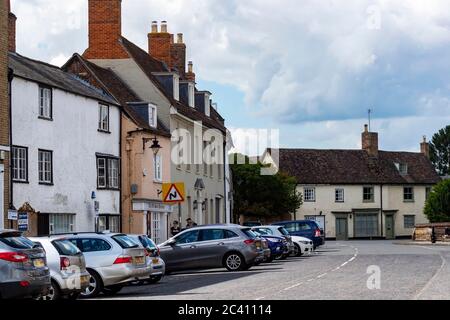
(336, 269)
(352, 259)
(344, 264)
(294, 286)
(322, 275)
(259, 299)
(444, 262)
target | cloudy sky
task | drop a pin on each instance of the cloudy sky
(310, 68)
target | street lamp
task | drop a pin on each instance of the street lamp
(156, 147)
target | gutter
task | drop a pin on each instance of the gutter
(11, 186)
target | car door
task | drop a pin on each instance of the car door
(183, 254)
(211, 248)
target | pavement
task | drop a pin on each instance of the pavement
(355, 270)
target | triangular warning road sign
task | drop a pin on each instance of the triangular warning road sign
(174, 195)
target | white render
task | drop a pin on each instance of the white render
(74, 138)
(2, 194)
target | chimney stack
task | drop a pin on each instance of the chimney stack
(190, 75)
(159, 43)
(178, 55)
(370, 142)
(105, 30)
(425, 147)
(11, 28)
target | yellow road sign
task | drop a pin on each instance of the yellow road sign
(173, 192)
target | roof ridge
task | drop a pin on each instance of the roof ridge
(36, 61)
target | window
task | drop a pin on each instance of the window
(176, 87)
(125, 242)
(205, 161)
(188, 237)
(108, 222)
(94, 245)
(191, 87)
(45, 103)
(61, 223)
(103, 122)
(366, 225)
(45, 166)
(310, 194)
(263, 231)
(207, 106)
(152, 116)
(19, 162)
(408, 194)
(410, 222)
(402, 168)
(156, 227)
(219, 171)
(158, 168)
(368, 194)
(230, 234)
(107, 173)
(212, 234)
(66, 248)
(340, 195)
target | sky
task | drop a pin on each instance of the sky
(309, 68)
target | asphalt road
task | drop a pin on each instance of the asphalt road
(353, 270)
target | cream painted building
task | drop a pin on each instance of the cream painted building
(360, 193)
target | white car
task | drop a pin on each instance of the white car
(302, 246)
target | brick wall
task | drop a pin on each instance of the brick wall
(159, 46)
(105, 30)
(4, 100)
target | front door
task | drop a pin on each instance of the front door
(390, 227)
(341, 229)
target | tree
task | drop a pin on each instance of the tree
(440, 151)
(437, 208)
(259, 195)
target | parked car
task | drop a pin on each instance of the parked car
(302, 246)
(277, 246)
(23, 267)
(113, 260)
(154, 260)
(266, 252)
(252, 224)
(234, 247)
(67, 265)
(277, 231)
(305, 228)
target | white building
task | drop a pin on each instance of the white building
(360, 193)
(66, 150)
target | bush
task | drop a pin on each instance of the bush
(437, 208)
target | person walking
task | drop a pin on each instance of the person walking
(175, 229)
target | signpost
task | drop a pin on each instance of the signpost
(173, 193)
(12, 215)
(22, 221)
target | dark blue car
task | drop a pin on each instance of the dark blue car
(278, 246)
(304, 228)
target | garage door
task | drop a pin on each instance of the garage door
(366, 225)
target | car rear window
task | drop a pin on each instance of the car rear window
(283, 231)
(66, 248)
(147, 242)
(264, 231)
(125, 241)
(230, 234)
(16, 241)
(249, 233)
(93, 245)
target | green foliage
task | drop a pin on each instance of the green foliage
(262, 195)
(440, 151)
(437, 208)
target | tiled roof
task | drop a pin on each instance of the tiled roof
(149, 65)
(355, 167)
(54, 77)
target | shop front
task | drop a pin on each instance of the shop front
(151, 217)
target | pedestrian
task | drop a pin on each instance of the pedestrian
(175, 229)
(190, 223)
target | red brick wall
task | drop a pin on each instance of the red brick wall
(4, 100)
(105, 30)
(12, 32)
(178, 57)
(159, 46)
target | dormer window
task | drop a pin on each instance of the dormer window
(191, 93)
(207, 106)
(176, 87)
(152, 115)
(402, 168)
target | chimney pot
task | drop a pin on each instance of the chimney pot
(154, 26)
(163, 26)
(180, 38)
(366, 128)
(425, 147)
(190, 67)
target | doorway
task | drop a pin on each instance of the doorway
(341, 229)
(390, 233)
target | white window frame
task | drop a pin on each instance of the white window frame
(157, 161)
(103, 117)
(372, 193)
(176, 87)
(113, 173)
(339, 195)
(111, 177)
(19, 163)
(309, 194)
(153, 116)
(45, 166)
(191, 93)
(156, 227)
(207, 105)
(45, 102)
(101, 165)
(411, 194)
(63, 220)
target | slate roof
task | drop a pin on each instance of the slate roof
(355, 167)
(54, 77)
(122, 93)
(149, 65)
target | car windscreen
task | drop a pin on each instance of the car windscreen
(16, 241)
(283, 231)
(125, 241)
(147, 243)
(249, 233)
(66, 248)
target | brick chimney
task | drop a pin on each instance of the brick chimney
(160, 43)
(370, 142)
(178, 55)
(425, 147)
(11, 28)
(190, 75)
(105, 30)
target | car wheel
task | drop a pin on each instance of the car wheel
(297, 251)
(95, 286)
(112, 290)
(156, 279)
(73, 296)
(53, 294)
(235, 262)
(270, 259)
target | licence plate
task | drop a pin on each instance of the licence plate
(39, 263)
(155, 261)
(84, 279)
(139, 260)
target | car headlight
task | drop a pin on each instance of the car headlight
(305, 242)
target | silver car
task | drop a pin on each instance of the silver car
(154, 260)
(68, 273)
(231, 246)
(113, 261)
(23, 268)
